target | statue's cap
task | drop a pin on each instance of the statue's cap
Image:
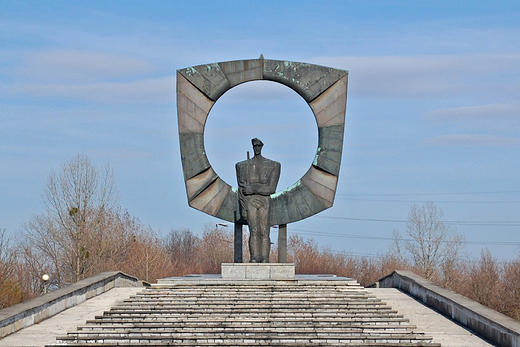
(257, 141)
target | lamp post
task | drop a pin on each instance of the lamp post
(45, 279)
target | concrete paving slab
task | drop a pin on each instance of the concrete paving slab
(45, 332)
(442, 329)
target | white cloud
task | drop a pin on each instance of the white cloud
(154, 90)
(474, 140)
(429, 75)
(503, 118)
(492, 112)
(81, 65)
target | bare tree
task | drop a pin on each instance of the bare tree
(429, 241)
(181, 246)
(485, 283)
(7, 258)
(147, 258)
(78, 201)
(216, 247)
(9, 289)
(511, 294)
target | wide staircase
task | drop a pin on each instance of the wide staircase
(273, 314)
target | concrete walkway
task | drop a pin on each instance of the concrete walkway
(443, 330)
(45, 332)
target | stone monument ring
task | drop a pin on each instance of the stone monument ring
(325, 91)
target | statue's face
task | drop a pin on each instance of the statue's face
(257, 148)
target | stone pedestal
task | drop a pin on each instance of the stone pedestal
(257, 271)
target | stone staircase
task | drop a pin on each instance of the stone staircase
(273, 313)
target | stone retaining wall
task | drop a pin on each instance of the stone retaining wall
(34, 311)
(485, 322)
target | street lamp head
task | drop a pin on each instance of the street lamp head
(45, 277)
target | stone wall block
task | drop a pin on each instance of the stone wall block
(197, 184)
(193, 156)
(315, 204)
(241, 71)
(278, 213)
(308, 80)
(192, 107)
(209, 79)
(328, 161)
(211, 199)
(229, 206)
(330, 138)
(301, 204)
(294, 204)
(330, 107)
(283, 208)
(258, 272)
(330, 147)
(321, 184)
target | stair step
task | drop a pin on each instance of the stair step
(249, 315)
(270, 342)
(323, 320)
(236, 326)
(188, 337)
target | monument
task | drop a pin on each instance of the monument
(325, 91)
(257, 179)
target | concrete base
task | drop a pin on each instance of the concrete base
(257, 271)
(216, 279)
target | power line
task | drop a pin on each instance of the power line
(433, 194)
(440, 202)
(368, 237)
(474, 223)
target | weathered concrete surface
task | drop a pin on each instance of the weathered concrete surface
(38, 309)
(45, 332)
(324, 89)
(329, 107)
(294, 204)
(241, 71)
(321, 184)
(328, 155)
(308, 80)
(194, 159)
(427, 320)
(211, 199)
(192, 107)
(209, 79)
(196, 184)
(216, 279)
(487, 323)
(443, 330)
(258, 271)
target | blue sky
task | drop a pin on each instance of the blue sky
(432, 112)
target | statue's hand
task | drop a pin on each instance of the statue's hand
(255, 188)
(257, 204)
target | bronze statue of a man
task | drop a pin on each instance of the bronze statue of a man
(257, 179)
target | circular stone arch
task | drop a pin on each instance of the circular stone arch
(325, 91)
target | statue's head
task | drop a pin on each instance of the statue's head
(257, 146)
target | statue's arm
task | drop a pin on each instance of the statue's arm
(270, 187)
(240, 175)
(242, 180)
